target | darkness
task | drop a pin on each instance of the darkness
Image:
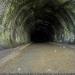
(45, 27)
(41, 34)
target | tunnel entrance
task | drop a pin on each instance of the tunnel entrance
(44, 28)
(39, 36)
(42, 33)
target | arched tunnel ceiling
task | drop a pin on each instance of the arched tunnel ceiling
(23, 17)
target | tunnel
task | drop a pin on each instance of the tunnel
(43, 30)
(46, 24)
(41, 21)
(41, 34)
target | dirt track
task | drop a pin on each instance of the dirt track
(42, 58)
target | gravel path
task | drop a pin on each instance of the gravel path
(42, 58)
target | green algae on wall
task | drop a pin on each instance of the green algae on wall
(20, 15)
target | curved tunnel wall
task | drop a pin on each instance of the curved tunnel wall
(54, 18)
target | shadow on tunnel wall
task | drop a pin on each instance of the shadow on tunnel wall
(24, 21)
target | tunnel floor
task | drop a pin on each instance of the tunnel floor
(42, 58)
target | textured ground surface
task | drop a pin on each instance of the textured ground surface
(4, 52)
(42, 58)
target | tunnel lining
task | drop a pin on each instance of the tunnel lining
(20, 15)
